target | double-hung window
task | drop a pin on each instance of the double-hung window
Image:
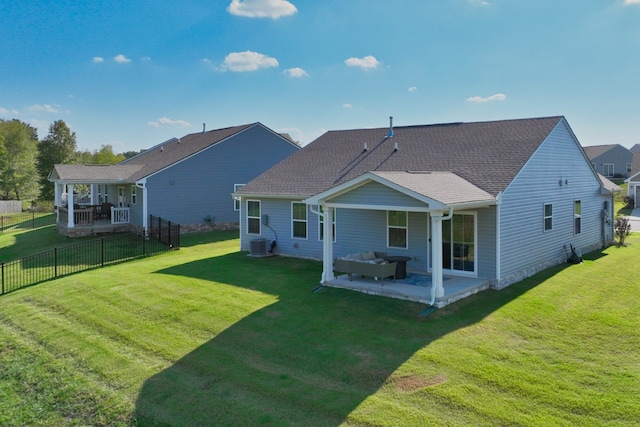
(299, 220)
(577, 217)
(134, 197)
(397, 229)
(548, 216)
(253, 216)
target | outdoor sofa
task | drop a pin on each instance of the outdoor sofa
(369, 264)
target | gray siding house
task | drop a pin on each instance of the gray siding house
(487, 202)
(612, 161)
(185, 180)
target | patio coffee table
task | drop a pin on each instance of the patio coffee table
(401, 266)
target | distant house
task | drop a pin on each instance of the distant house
(635, 148)
(487, 202)
(612, 161)
(633, 187)
(185, 180)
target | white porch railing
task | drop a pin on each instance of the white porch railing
(119, 215)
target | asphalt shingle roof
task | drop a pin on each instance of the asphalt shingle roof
(148, 161)
(487, 154)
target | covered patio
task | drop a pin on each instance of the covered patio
(416, 288)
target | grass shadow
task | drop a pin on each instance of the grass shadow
(310, 358)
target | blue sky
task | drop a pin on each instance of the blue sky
(135, 73)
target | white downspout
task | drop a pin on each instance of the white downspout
(327, 244)
(498, 239)
(145, 218)
(437, 290)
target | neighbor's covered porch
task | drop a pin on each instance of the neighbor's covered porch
(449, 272)
(91, 199)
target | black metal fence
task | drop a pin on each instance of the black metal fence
(67, 260)
(26, 220)
(164, 231)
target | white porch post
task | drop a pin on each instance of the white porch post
(327, 247)
(70, 223)
(436, 253)
(94, 194)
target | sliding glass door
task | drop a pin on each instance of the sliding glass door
(459, 243)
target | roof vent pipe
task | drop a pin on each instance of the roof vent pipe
(390, 134)
(204, 125)
(395, 147)
(365, 147)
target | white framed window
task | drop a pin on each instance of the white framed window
(577, 217)
(298, 220)
(629, 169)
(253, 217)
(608, 169)
(397, 229)
(134, 198)
(122, 197)
(548, 216)
(321, 224)
(236, 203)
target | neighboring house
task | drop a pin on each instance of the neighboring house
(612, 161)
(497, 201)
(184, 180)
(635, 148)
(633, 187)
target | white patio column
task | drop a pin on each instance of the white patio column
(436, 253)
(327, 247)
(94, 194)
(70, 223)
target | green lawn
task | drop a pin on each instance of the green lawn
(209, 336)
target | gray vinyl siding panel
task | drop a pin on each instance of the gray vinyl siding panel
(376, 194)
(525, 246)
(201, 185)
(486, 244)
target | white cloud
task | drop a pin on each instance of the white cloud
(366, 63)
(479, 2)
(413, 89)
(145, 59)
(296, 72)
(273, 9)
(97, 59)
(5, 112)
(247, 61)
(295, 133)
(121, 59)
(631, 1)
(496, 97)
(167, 122)
(347, 105)
(45, 108)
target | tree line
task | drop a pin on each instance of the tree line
(26, 161)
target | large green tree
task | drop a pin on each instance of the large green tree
(18, 174)
(58, 147)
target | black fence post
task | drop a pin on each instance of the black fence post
(169, 234)
(55, 262)
(33, 219)
(102, 251)
(2, 278)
